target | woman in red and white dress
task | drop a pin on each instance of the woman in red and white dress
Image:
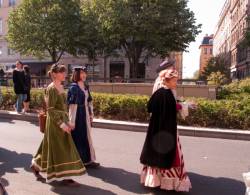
(162, 155)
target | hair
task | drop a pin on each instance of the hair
(19, 62)
(163, 77)
(76, 76)
(26, 69)
(56, 68)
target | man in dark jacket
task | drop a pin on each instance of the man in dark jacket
(19, 86)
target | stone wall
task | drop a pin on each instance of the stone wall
(146, 89)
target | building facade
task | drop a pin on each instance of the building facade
(229, 35)
(113, 69)
(206, 51)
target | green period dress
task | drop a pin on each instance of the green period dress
(57, 155)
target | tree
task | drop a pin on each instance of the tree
(196, 74)
(45, 28)
(145, 28)
(92, 41)
(220, 63)
(216, 78)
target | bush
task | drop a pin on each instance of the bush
(224, 113)
(234, 89)
(231, 114)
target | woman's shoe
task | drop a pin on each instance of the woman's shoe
(92, 165)
(36, 172)
(70, 182)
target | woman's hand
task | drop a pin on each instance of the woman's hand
(72, 126)
(66, 128)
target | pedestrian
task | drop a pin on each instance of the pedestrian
(81, 116)
(162, 158)
(57, 155)
(27, 81)
(19, 86)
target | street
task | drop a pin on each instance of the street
(215, 166)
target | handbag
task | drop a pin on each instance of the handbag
(42, 116)
(42, 121)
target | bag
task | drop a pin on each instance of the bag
(42, 121)
(42, 116)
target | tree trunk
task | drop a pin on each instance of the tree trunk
(105, 67)
(54, 56)
(93, 72)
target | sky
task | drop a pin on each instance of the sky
(206, 13)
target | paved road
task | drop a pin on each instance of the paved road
(215, 166)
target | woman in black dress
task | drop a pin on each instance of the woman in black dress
(27, 82)
(161, 155)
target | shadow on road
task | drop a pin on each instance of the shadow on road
(125, 180)
(10, 161)
(12, 121)
(82, 189)
(215, 186)
(201, 185)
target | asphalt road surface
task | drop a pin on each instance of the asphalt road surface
(215, 166)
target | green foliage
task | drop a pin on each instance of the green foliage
(235, 90)
(41, 28)
(233, 112)
(220, 64)
(196, 74)
(145, 27)
(228, 114)
(216, 78)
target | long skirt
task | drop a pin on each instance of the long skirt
(174, 178)
(57, 156)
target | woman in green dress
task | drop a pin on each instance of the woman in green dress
(57, 155)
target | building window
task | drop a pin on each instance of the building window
(1, 51)
(10, 52)
(1, 25)
(205, 50)
(211, 51)
(12, 3)
(1, 3)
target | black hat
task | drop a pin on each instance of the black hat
(165, 64)
(84, 68)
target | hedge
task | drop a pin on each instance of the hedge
(235, 90)
(225, 113)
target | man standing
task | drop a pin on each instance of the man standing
(19, 86)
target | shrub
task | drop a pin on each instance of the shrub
(231, 112)
(235, 88)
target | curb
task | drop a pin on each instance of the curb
(142, 127)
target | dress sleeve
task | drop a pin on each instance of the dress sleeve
(58, 116)
(72, 114)
(72, 102)
(72, 95)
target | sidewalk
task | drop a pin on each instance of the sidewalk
(232, 134)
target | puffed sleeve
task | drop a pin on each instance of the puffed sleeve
(72, 95)
(72, 102)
